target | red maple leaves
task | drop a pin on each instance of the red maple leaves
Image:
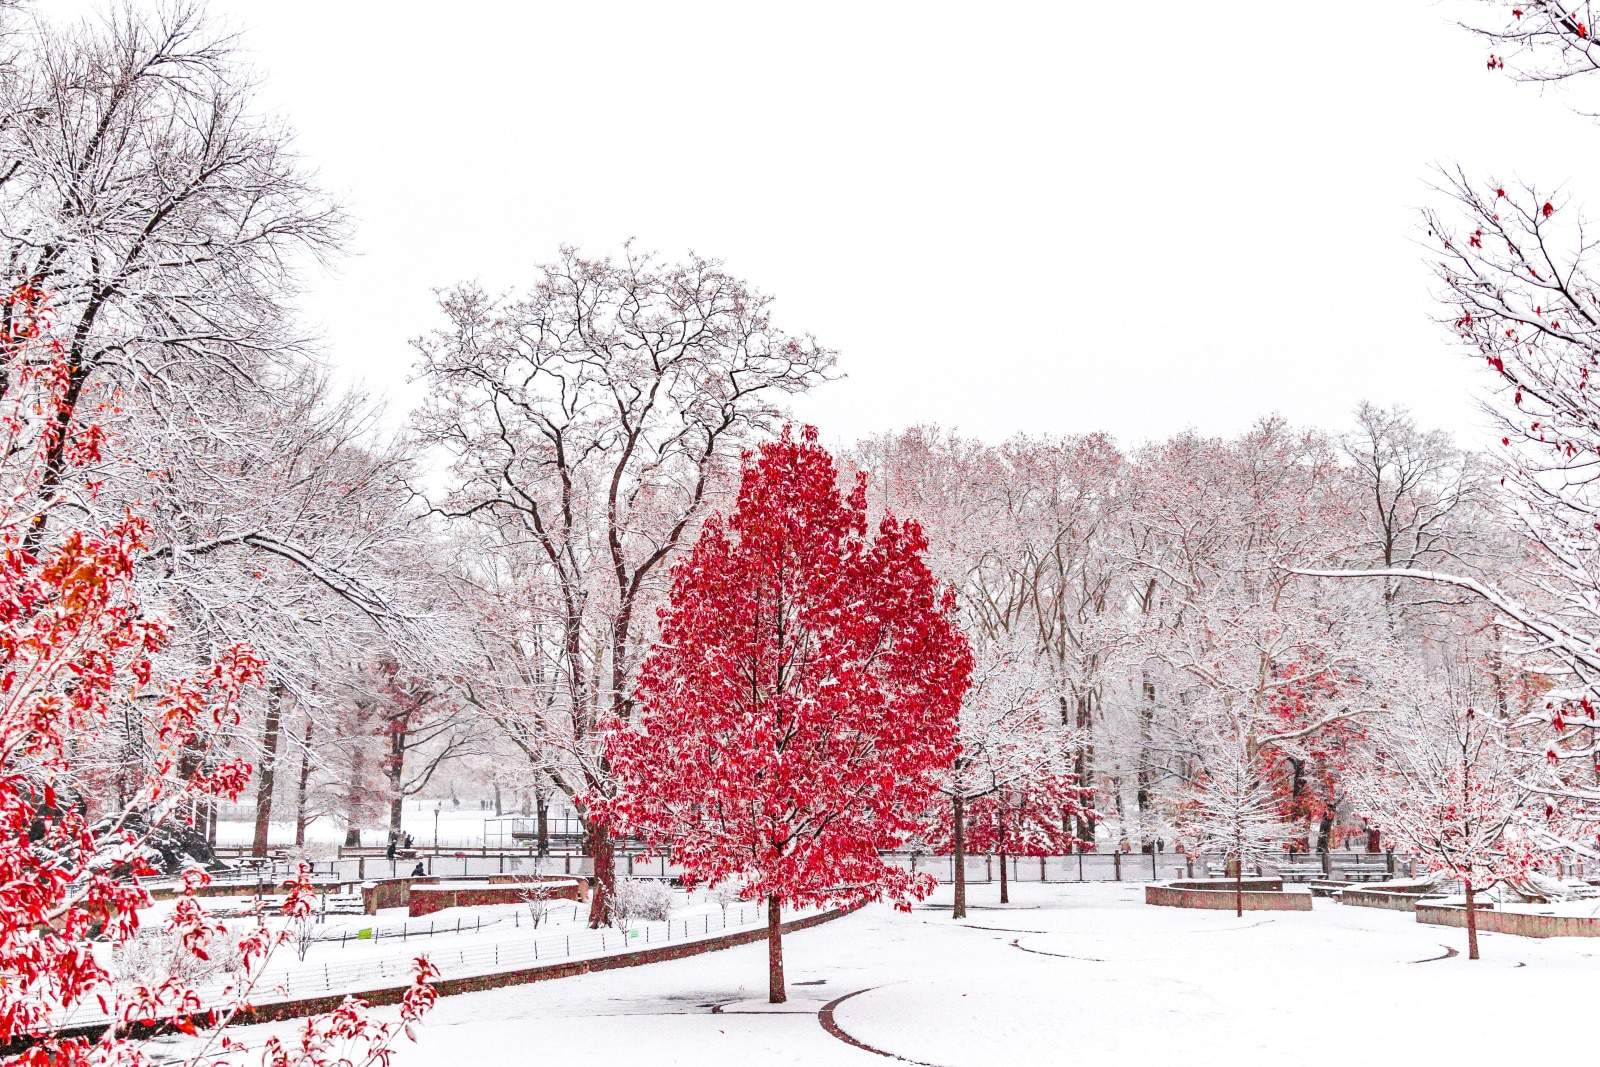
(803, 696)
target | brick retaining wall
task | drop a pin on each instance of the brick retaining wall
(1265, 885)
(1389, 899)
(1219, 899)
(389, 892)
(1520, 923)
(510, 890)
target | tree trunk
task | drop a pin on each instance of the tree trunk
(1083, 764)
(355, 799)
(1146, 773)
(605, 875)
(775, 989)
(396, 769)
(1238, 888)
(268, 773)
(302, 793)
(1472, 925)
(1005, 894)
(497, 810)
(958, 848)
(542, 805)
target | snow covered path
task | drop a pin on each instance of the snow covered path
(1081, 971)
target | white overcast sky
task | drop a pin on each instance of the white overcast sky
(1057, 218)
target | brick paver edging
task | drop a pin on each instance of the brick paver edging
(294, 1009)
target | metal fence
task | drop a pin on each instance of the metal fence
(1137, 866)
(1076, 867)
(288, 978)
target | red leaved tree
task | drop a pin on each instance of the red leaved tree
(1028, 816)
(76, 649)
(1308, 774)
(801, 703)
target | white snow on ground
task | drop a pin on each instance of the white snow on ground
(457, 827)
(1067, 973)
(351, 954)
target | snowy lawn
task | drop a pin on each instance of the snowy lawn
(457, 827)
(1081, 972)
(355, 953)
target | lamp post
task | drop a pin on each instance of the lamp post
(436, 806)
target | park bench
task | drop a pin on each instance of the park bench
(1300, 868)
(1341, 867)
(1362, 867)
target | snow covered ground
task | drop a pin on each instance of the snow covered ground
(355, 953)
(1080, 972)
(457, 827)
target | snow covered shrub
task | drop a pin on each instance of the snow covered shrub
(535, 897)
(725, 893)
(641, 900)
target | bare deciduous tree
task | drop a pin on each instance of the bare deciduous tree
(585, 423)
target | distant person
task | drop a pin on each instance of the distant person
(389, 852)
(419, 871)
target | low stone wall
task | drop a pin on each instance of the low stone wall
(507, 889)
(389, 892)
(1258, 883)
(1388, 899)
(267, 887)
(1520, 923)
(1215, 897)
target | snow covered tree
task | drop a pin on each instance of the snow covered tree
(1010, 789)
(801, 704)
(78, 651)
(1519, 287)
(1423, 504)
(1537, 40)
(423, 729)
(1230, 808)
(1022, 530)
(1245, 649)
(1446, 787)
(166, 214)
(585, 424)
(1019, 531)
(159, 209)
(290, 524)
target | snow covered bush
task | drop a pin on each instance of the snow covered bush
(535, 897)
(641, 900)
(725, 893)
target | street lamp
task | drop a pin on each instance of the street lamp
(437, 804)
